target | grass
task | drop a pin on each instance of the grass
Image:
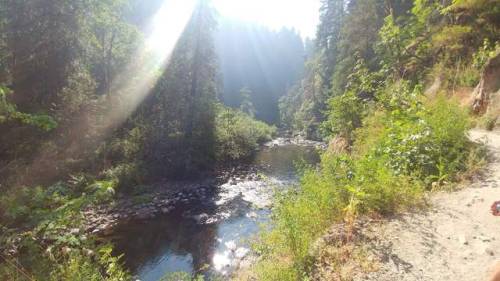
(488, 121)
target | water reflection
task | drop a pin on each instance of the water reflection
(209, 237)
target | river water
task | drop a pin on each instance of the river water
(212, 236)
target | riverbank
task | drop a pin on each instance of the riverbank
(83, 224)
(165, 197)
(209, 234)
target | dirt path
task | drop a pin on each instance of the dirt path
(457, 239)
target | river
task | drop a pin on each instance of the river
(211, 237)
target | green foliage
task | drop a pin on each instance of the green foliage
(453, 39)
(429, 143)
(74, 265)
(246, 105)
(467, 75)
(347, 111)
(79, 267)
(403, 142)
(399, 150)
(238, 135)
(358, 33)
(391, 47)
(345, 115)
(123, 154)
(489, 121)
(465, 4)
(86, 45)
(342, 189)
(483, 54)
(302, 109)
(478, 23)
(30, 205)
(9, 112)
(52, 245)
(180, 114)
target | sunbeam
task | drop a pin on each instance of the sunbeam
(130, 87)
(167, 26)
(150, 60)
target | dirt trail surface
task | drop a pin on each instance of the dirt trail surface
(456, 239)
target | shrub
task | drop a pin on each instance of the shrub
(427, 142)
(47, 249)
(9, 112)
(489, 121)
(75, 265)
(405, 145)
(483, 54)
(126, 175)
(452, 38)
(238, 135)
(346, 114)
(79, 267)
(339, 191)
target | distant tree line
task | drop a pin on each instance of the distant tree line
(267, 63)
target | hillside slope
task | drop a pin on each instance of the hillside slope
(457, 239)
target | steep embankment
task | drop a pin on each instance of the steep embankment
(456, 239)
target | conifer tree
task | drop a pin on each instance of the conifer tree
(180, 137)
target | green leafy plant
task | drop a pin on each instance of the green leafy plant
(238, 134)
(8, 111)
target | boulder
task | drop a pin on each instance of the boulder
(165, 210)
(144, 214)
(201, 218)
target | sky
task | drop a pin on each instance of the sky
(303, 15)
(171, 18)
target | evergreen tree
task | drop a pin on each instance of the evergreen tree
(332, 15)
(58, 55)
(267, 62)
(246, 102)
(182, 109)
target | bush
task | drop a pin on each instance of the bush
(339, 191)
(47, 249)
(346, 114)
(454, 39)
(75, 265)
(123, 157)
(9, 112)
(404, 146)
(126, 175)
(238, 134)
(429, 142)
(489, 121)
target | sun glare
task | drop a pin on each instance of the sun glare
(299, 14)
(168, 25)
